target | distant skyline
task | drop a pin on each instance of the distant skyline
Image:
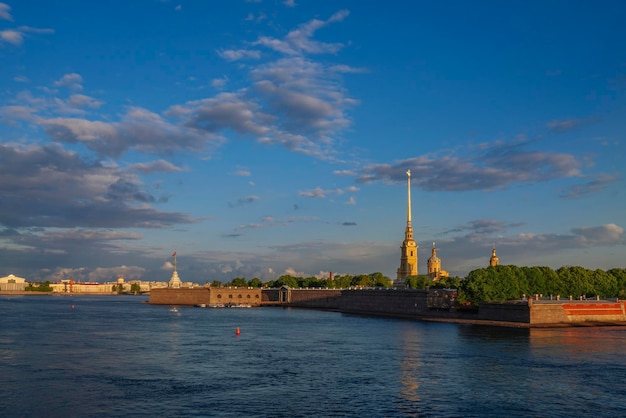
(260, 138)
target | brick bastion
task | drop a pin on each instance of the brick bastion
(422, 304)
(206, 296)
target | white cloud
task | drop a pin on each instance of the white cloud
(80, 100)
(496, 167)
(12, 36)
(5, 10)
(239, 54)
(219, 83)
(110, 274)
(320, 193)
(292, 272)
(608, 234)
(72, 81)
(298, 41)
(159, 166)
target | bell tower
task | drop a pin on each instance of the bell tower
(408, 251)
(494, 260)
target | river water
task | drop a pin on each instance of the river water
(114, 356)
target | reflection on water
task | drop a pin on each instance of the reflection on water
(114, 356)
(410, 364)
(604, 344)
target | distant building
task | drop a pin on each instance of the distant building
(70, 286)
(409, 249)
(12, 283)
(434, 266)
(494, 260)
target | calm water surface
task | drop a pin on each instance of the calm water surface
(115, 356)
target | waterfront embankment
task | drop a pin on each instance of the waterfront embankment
(420, 304)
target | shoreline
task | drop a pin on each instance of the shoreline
(26, 293)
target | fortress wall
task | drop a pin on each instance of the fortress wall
(204, 295)
(385, 302)
(507, 312)
(270, 296)
(401, 303)
(235, 296)
(315, 298)
(577, 312)
(183, 296)
(541, 313)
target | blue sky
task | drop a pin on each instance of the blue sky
(258, 138)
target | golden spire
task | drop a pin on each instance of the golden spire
(408, 219)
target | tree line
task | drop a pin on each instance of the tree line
(490, 284)
(501, 283)
(376, 279)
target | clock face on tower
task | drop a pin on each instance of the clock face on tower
(411, 243)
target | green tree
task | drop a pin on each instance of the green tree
(135, 288)
(604, 283)
(447, 283)
(380, 280)
(417, 282)
(552, 282)
(576, 280)
(286, 280)
(342, 282)
(216, 283)
(326, 283)
(239, 282)
(306, 282)
(255, 282)
(363, 280)
(39, 287)
(620, 280)
(482, 285)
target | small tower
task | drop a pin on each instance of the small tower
(408, 251)
(494, 260)
(175, 282)
(434, 266)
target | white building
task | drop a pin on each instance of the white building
(12, 283)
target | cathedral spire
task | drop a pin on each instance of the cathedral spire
(408, 216)
(408, 254)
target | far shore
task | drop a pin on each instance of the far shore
(17, 293)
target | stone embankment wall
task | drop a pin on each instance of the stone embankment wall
(235, 296)
(205, 295)
(385, 302)
(270, 296)
(410, 303)
(438, 304)
(181, 296)
(505, 312)
(577, 312)
(314, 298)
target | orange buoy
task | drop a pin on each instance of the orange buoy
(72, 306)
(237, 331)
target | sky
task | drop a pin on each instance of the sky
(270, 137)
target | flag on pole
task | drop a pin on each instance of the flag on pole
(174, 255)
